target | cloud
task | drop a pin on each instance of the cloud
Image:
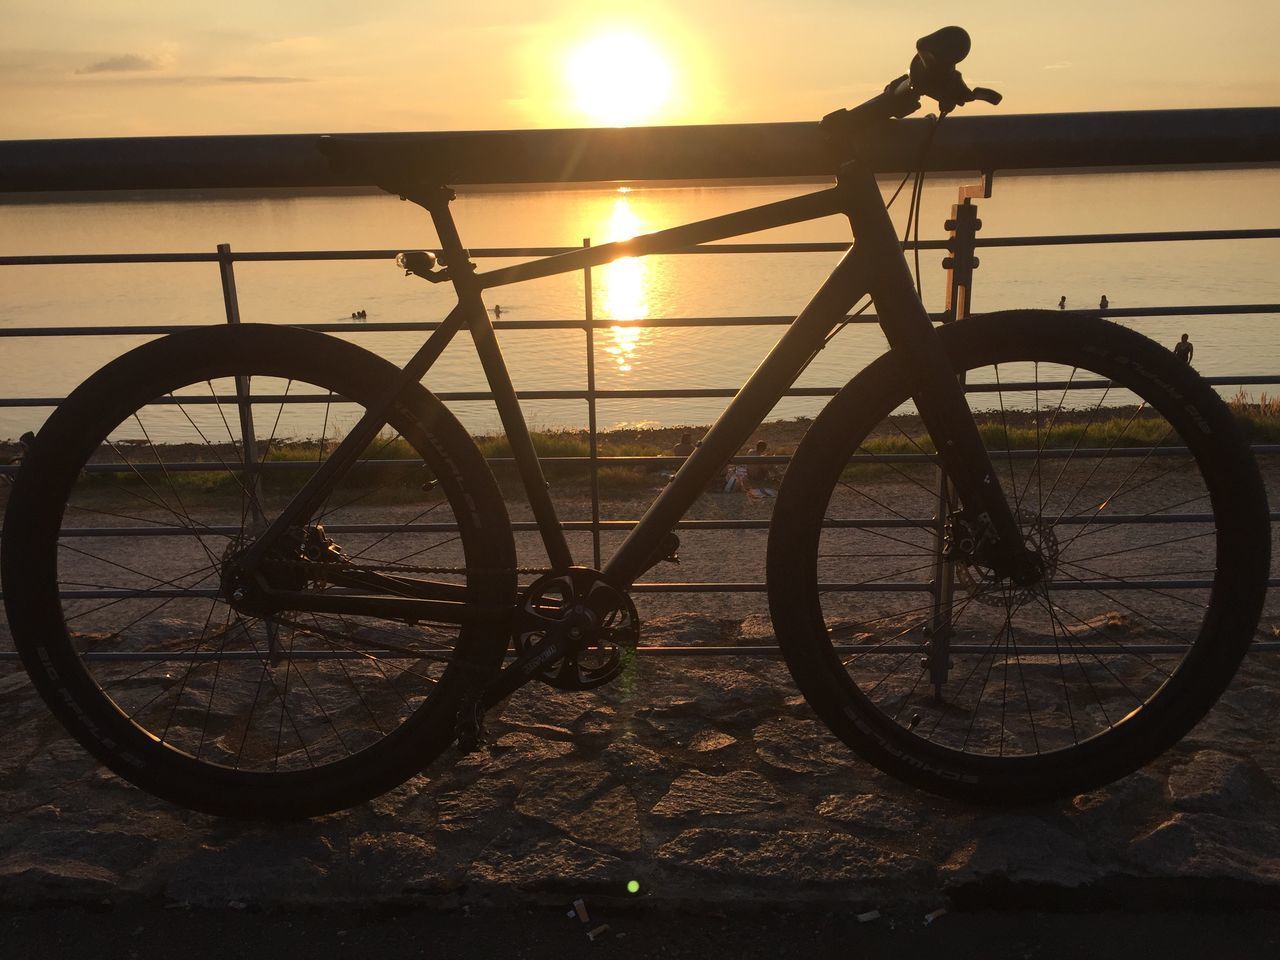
(297, 45)
(252, 79)
(186, 79)
(1060, 65)
(125, 63)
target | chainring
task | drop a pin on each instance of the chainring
(603, 617)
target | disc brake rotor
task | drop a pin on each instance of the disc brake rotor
(983, 585)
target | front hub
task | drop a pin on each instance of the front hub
(988, 573)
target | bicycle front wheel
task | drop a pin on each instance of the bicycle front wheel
(141, 491)
(1131, 483)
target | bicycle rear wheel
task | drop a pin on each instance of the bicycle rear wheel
(137, 495)
(1130, 481)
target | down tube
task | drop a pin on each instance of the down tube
(847, 285)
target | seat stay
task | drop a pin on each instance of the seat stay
(307, 500)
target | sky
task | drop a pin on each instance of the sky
(95, 68)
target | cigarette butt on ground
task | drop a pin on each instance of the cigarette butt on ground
(934, 915)
(598, 931)
(580, 908)
(869, 916)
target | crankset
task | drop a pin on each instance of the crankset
(599, 621)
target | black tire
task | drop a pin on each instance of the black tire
(1150, 512)
(192, 708)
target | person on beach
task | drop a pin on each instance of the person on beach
(1062, 303)
(497, 311)
(752, 479)
(24, 447)
(735, 478)
(760, 474)
(1104, 303)
(681, 449)
(1184, 350)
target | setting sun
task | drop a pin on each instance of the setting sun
(619, 78)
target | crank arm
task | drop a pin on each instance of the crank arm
(556, 645)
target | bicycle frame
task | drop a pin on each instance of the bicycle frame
(873, 265)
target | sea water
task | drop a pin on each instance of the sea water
(630, 354)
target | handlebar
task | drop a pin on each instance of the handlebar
(932, 74)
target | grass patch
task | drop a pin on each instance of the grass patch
(402, 477)
(1259, 419)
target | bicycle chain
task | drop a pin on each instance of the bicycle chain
(347, 567)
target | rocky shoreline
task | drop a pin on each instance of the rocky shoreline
(705, 781)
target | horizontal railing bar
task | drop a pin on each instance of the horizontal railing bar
(887, 586)
(195, 593)
(426, 326)
(900, 648)
(524, 526)
(1073, 586)
(1076, 586)
(653, 651)
(1019, 386)
(716, 152)
(734, 249)
(206, 466)
(480, 253)
(872, 459)
(1159, 236)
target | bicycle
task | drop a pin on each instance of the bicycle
(998, 604)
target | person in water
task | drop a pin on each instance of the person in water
(1104, 303)
(1062, 303)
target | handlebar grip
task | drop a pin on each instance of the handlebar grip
(945, 47)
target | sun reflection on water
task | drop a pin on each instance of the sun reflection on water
(625, 288)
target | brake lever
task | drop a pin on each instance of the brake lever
(986, 95)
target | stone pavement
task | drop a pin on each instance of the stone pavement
(707, 781)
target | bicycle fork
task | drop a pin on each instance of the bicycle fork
(985, 528)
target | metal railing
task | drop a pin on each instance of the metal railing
(591, 395)
(748, 150)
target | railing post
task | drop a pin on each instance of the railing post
(963, 228)
(959, 264)
(592, 444)
(247, 436)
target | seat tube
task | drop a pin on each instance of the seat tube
(463, 274)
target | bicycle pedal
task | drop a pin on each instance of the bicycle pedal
(471, 734)
(470, 744)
